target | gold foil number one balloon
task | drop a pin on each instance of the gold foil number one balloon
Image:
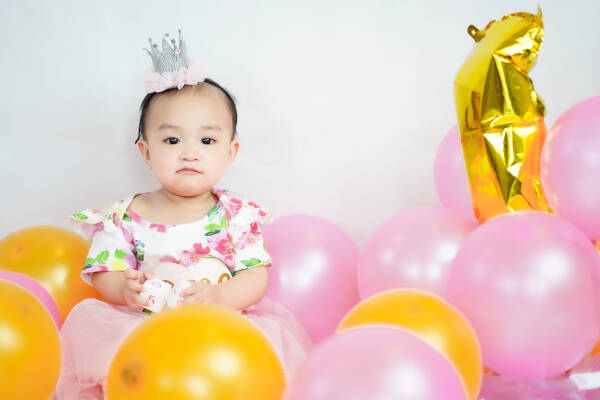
(501, 117)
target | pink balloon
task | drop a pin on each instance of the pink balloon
(570, 166)
(498, 387)
(413, 249)
(36, 289)
(450, 175)
(529, 284)
(314, 271)
(376, 363)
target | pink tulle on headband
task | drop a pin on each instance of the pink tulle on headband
(157, 82)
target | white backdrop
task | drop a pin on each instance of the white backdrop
(342, 103)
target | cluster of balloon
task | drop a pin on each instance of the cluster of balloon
(30, 350)
(39, 284)
(404, 344)
(528, 282)
(376, 362)
(53, 257)
(430, 318)
(196, 352)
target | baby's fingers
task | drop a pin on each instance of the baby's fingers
(196, 287)
(133, 285)
(148, 275)
(137, 303)
(188, 292)
(131, 274)
(142, 302)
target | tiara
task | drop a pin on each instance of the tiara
(171, 66)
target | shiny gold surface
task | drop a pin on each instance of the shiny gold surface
(501, 116)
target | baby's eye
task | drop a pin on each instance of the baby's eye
(207, 140)
(171, 140)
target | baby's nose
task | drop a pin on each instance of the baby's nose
(190, 153)
(189, 157)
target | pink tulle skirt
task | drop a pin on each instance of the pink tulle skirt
(94, 330)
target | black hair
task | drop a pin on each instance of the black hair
(149, 96)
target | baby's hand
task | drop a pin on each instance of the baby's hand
(133, 287)
(201, 292)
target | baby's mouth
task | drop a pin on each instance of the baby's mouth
(188, 171)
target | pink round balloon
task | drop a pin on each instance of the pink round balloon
(36, 289)
(529, 284)
(450, 176)
(570, 166)
(314, 271)
(413, 249)
(377, 363)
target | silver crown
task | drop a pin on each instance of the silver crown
(171, 58)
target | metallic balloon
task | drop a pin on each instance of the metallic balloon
(501, 116)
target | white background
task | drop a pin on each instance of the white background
(341, 103)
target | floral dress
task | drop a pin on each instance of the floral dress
(229, 232)
(229, 235)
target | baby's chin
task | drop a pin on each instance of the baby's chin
(187, 191)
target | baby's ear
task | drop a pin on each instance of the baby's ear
(234, 147)
(144, 151)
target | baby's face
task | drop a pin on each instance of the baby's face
(188, 143)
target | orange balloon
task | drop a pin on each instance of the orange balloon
(196, 351)
(432, 319)
(30, 352)
(53, 257)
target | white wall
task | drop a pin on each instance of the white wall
(342, 103)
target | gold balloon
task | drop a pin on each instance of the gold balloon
(433, 320)
(501, 116)
(53, 257)
(30, 351)
(196, 352)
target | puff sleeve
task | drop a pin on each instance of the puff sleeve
(246, 231)
(111, 248)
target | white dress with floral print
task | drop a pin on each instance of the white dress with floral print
(230, 233)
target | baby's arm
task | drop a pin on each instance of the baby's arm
(121, 288)
(246, 288)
